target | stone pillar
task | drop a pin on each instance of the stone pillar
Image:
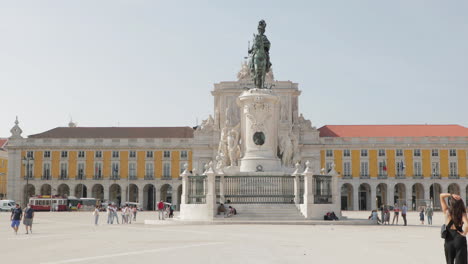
(211, 192)
(391, 194)
(356, 197)
(259, 130)
(14, 190)
(427, 192)
(296, 175)
(308, 186)
(373, 196)
(106, 191)
(185, 174)
(141, 195)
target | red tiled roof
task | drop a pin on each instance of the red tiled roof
(393, 131)
(3, 142)
(117, 132)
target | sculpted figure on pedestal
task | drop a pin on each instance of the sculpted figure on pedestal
(286, 150)
(233, 147)
(260, 56)
(223, 145)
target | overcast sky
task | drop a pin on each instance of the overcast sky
(153, 63)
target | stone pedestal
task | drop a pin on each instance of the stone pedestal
(259, 130)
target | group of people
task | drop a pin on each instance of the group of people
(17, 214)
(386, 214)
(165, 210)
(128, 213)
(230, 211)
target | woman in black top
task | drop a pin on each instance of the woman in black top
(455, 219)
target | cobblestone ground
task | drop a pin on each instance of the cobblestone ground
(71, 237)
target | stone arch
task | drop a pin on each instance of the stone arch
(365, 197)
(63, 190)
(417, 196)
(29, 191)
(46, 189)
(166, 193)
(98, 192)
(81, 190)
(115, 194)
(381, 194)
(347, 196)
(454, 188)
(149, 197)
(400, 194)
(132, 193)
(434, 192)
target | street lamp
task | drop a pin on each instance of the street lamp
(26, 160)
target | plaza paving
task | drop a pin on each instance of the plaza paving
(71, 237)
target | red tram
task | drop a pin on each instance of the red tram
(43, 203)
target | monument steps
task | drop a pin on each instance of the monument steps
(265, 212)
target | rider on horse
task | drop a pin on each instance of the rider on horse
(266, 46)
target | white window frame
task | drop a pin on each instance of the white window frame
(399, 152)
(64, 154)
(452, 152)
(434, 153)
(381, 153)
(46, 170)
(183, 154)
(167, 156)
(417, 168)
(435, 168)
(130, 154)
(416, 152)
(329, 153)
(98, 154)
(364, 153)
(346, 153)
(132, 169)
(347, 171)
(166, 170)
(47, 154)
(115, 154)
(81, 152)
(63, 170)
(81, 164)
(364, 169)
(453, 168)
(98, 169)
(149, 169)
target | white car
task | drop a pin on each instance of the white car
(7, 205)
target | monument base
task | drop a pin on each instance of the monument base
(257, 164)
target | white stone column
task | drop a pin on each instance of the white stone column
(391, 194)
(373, 196)
(211, 192)
(185, 174)
(308, 191)
(141, 195)
(296, 175)
(356, 197)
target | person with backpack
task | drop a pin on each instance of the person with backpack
(456, 228)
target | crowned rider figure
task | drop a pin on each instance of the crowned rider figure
(260, 56)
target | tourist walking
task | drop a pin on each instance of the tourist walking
(114, 214)
(28, 218)
(110, 216)
(123, 212)
(135, 210)
(96, 215)
(455, 239)
(171, 211)
(387, 215)
(396, 213)
(161, 210)
(429, 214)
(421, 215)
(128, 214)
(16, 215)
(404, 210)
